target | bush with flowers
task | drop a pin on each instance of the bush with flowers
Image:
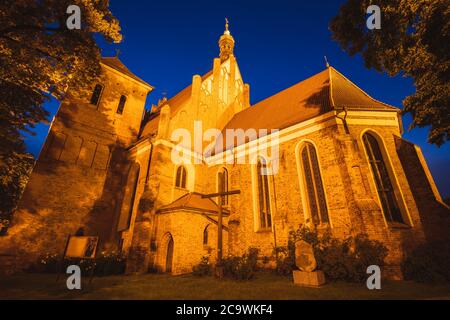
(106, 264)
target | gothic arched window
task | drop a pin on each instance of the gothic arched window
(313, 183)
(383, 182)
(181, 178)
(222, 184)
(205, 236)
(96, 94)
(121, 107)
(265, 217)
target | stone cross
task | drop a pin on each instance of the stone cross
(220, 194)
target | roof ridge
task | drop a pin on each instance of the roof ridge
(188, 198)
(187, 202)
(182, 198)
(332, 104)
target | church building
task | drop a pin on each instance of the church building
(322, 154)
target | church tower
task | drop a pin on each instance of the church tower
(226, 43)
(78, 179)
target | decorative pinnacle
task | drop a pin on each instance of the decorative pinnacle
(227, 24)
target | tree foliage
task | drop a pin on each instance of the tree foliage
(14, 173)
(41, 57)
(413, 41)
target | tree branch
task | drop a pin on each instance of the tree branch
(30, 27)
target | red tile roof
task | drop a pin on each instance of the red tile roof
(307, 99)
(192, 202)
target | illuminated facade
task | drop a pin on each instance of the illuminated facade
(107, 167)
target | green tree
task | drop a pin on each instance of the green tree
(40, 57)
(413, 41)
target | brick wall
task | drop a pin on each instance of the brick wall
(186, 229)
(351, 196)
(435, 215)
(79, 174)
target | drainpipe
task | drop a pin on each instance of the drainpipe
(344, 119)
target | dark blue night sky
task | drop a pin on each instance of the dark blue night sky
(278, 43)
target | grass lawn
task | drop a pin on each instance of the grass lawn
(265, 286)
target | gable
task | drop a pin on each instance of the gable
(220, 95)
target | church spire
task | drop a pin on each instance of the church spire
(226, 43)
(226, 26)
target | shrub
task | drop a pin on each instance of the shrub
(202, 269)
(346, 259)
(369, 252)
(336, 260)
(48, 263)
(109, 263)
(106, 264)
(285, 261)
(428, 263)
(241, 268)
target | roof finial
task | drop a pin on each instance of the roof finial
(326, 62)
(227, 26)
(118, 52)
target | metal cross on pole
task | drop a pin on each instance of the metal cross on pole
(221, 194)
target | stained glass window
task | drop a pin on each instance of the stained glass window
(383, 182)
(265, 216)
(180, 181)
(314, 186)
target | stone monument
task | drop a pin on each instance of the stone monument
(307, 276)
